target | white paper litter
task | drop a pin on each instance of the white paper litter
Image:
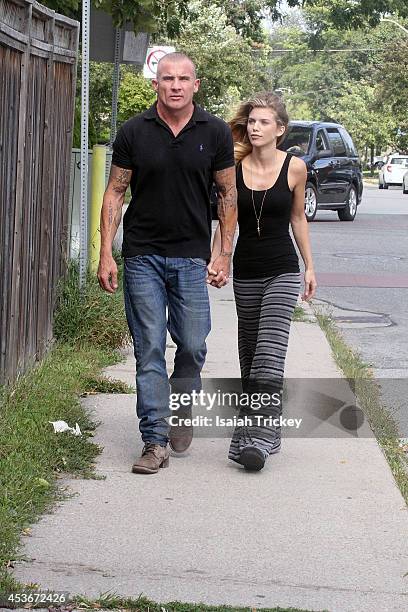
(60, 426)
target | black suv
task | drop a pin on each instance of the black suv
(334, 177)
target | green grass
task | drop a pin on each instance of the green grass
(90, 315)
(299, 314)
(372, 179)
(113, 602)
(31, 454)
(369, 398)
(89, 326)
(101, 384)
(303, 316)
(368, 174)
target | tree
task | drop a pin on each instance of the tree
(145, 15)
(136, 94)
(245, 15)
(365, 90)
(225, 61)
(392, 91)
(357, 109)
(352, 14)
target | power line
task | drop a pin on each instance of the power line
(326, 50)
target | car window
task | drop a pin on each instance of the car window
(400, 161)
(350, 148)
(297, 140)
(336, 142)
(321, 141)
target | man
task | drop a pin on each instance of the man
(170, 155)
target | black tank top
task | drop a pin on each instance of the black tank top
(272, 252)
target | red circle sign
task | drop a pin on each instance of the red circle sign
(153, 59)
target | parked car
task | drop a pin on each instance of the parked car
(392, 171)
(334, 174)
(405, 183)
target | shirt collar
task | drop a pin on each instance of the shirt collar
(199, 115)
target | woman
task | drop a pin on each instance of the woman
(271, 194)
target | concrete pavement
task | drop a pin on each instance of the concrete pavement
(322, 527)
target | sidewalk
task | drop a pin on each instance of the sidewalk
(322, 527)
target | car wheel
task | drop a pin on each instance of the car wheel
(380, 186)
(404, 189)
(385, 185)
(310, 201)
(348, 213)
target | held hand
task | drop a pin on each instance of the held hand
(218, 271)
(210, 273)
(108, 273)
(310, 285)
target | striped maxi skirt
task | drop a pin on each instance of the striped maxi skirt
(264, 307)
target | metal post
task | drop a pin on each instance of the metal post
(115, 86)
(83, 216)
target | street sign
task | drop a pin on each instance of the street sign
(103, 41)
(153, 56)
(134, 48)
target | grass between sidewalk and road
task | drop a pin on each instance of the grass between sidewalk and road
(370, 178)
(89, 328)
(112, 602)
(368, 394)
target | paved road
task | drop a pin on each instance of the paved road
(363, 277)
(391, 201)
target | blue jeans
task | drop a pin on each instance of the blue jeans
(152, 284)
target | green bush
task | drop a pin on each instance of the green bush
(136, 94)
(90, 315)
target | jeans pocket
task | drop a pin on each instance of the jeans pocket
(198, 261)
(135, 258)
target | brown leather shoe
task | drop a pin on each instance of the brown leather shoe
(181, 435)
(153, 457)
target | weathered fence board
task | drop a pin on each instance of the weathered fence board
(38, 50)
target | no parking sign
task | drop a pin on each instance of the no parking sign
(153, 56)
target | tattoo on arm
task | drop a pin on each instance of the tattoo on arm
(227, 193)
(227, 207)
(119, 179)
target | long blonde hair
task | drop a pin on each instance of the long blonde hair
(238, 124)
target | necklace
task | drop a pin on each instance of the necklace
(257, 217)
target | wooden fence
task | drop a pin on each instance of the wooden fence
(38, 55)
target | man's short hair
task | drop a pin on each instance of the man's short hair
(176, 57)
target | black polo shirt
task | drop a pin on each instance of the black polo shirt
(169, 213)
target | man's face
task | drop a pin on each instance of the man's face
(176, 84)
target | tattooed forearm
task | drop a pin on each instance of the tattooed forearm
(227, 201)
(113, 201)
(114, 213)
(227, 193)
(227, 207)
(121, 180)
